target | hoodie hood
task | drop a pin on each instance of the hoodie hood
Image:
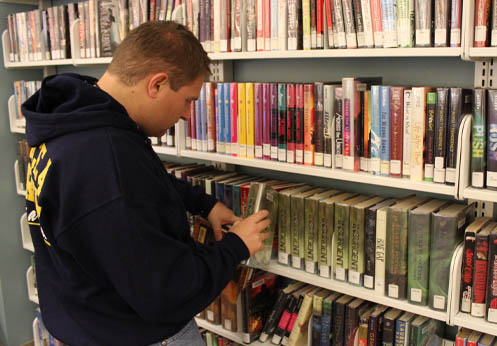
(70, 103)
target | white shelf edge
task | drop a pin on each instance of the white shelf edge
(27, 242)
(342, 53)
(165, 150)
(19, 189)
(13, 121)
(480, 194)
(36, 333)
(30, 281)
(233, 336)
(356, 291)
(486, 52)
(338, 174)
(480, 324)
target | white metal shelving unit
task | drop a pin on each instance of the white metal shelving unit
(219, 330)
(20, 190)
(27, 242)
(31, 282)
(16, 125)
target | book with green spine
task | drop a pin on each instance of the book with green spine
(326, 227)
(312, 229)
(478, 138)
(356, 239)
(341, 236)
(396, 247)
(446, 233)
(298, 225)
(418, 251)
(284, 224)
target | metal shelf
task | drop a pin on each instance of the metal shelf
(219, 330)
(338, 174)
(165, 150)
(480, 194)
(480, 324)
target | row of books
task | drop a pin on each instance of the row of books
(400, 248)
(467, 337)
(485, 23)
(268, 25)
(22, 91)
(354, 124)
(479, 270)
(484, 139)
(168, 139)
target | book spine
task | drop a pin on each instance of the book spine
(368, 23)
(293, 42)
(370, 248)
(396, 130)
(211, 116)
(274, 121)
(308, 124)
(442, 23)
(220, 137)
(455, 111)
(259, 19)
(284, 320)
(440, 135)
(326, 214)
(338, 128)
(385, 130)
(313, 24)
(227, 118)
(418, 258)
(406, 147)
(359, 127)
(251, 24)
(482, 18)
(377, 23)
(266, 129)
(401, 333)
(320, 14)
(317, 134)
(250, 111)
(468, 261)
(366, 135)
(203, 118)
(306, 24)
(349, 23)
(242, 120)
(299, 123)
(326, 324)
(282, 25)
(375, 130)
(396, 254)
(356, 246)
(455, 23)
(282, 134)
(478, 140)
(290, 123)
(339, 37)
(274, 316)
(381, 235)
(423, 10)
(235, 150)
(480, 275)
(311, 235)
(350, 160)
(492, 140)
(417, 133)
(293, 320)
(388, 17)
(298, 232)
(275, 44)
(491, 298)
(339, 324)
(259, 120)
(328, 124)
(359, 23)
(341, 242)
(405, 23)
(284, 230)
(429, 158)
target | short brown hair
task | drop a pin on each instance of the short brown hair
(160, 46)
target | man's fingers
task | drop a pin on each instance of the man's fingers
(260, 215)
(218, 234)
(264, 235)
(263, 224)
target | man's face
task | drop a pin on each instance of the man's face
(172, 105)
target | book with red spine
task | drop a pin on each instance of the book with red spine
(211, 116)
(396, 130)
(319, 25)
(299, 124)
(491, 299)
(290, 123)
(274, 121)
(308, 124)
(482, 22)
(267, 24)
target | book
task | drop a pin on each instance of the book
(357, 256)
(385, 124)
(317, 314)
(375, 325)
(318, 133)
(440, 146)
(406, 145)
(480, 270)
(341, 236)
(389, 324)
(429, 154)
(396, 130)
(309, 113)
(468, 261)
(291, 129)
(397, 247)
(478, 138)
(491, 298)
(446, 233)
(492, 140)
(418, 250)
(299, 331)
(402, 329)
(282, 127)
(339, 319)
(339, 128)
(421, 329)
(329, 125)
(353, 311)
(486, 340)
(327, 319)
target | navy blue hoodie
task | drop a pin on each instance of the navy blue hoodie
(115, 262)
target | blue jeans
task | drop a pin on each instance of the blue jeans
(188, 336)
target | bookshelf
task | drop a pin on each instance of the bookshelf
(460, 191)
(19, 188)
(16, 125)
(234, 336)
(27, 242)
(31, 282)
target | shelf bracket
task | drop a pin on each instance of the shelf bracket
(484, 76)
(222, 71)
(484, 208)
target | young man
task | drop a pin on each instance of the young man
(115, 262)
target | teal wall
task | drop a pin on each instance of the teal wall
(17, 313)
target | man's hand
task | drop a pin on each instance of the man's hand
(221, 215)
(249, 230)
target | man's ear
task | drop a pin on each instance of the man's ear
(156, 83)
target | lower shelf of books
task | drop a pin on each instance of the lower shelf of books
(475, 323)
(356, 291)
(218, 329)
